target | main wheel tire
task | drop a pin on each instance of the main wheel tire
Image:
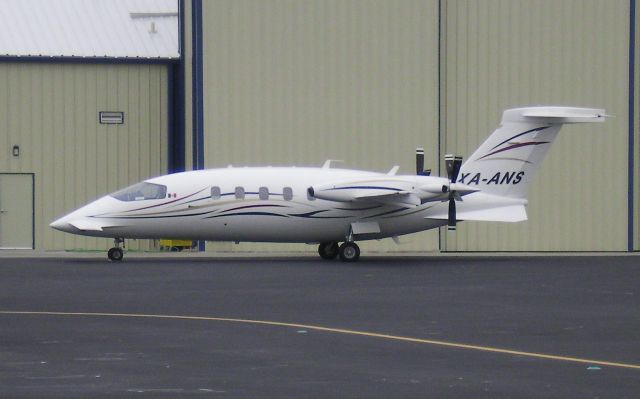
(349, 252)
(115, 254)
(328, 250)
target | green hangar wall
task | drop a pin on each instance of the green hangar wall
(62, 63)
(51, 112)
(288, 82)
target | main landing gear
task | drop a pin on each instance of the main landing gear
(348, 251)
(116, 254)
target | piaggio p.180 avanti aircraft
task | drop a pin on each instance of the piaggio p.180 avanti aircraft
(329, 206)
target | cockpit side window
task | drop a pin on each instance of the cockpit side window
(141, 191)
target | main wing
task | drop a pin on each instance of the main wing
(484, 207)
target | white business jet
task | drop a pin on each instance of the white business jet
(331, 206)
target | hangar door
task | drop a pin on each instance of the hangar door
(505, 54)
(16, 211)
(297, 83)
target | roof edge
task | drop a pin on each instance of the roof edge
(89, 60)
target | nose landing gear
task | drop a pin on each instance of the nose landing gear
(116, 254)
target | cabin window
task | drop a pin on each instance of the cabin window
(141, 191)
(216, 193)
(287, 193)
(239, 192)
(263, 193)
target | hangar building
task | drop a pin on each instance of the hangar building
(278, 82)
(85, 108)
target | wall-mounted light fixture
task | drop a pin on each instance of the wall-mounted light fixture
(16, 151)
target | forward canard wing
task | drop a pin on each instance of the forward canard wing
(85, 224)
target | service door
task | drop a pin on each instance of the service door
(16, 211)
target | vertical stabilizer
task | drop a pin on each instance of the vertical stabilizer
(507, 161)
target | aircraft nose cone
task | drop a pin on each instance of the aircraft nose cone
(61, 224)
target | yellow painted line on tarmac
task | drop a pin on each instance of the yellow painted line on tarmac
(339, 331)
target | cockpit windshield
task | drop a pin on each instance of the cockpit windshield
(141, 191)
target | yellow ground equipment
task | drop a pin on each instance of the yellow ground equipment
(175, 245)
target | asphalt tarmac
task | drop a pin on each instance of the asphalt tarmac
(394, 327)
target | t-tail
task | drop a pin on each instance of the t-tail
(505, 164)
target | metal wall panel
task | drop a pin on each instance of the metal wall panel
(298, 82)
(500, 54)
(51, 111)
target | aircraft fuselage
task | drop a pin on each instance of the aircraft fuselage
(257, 204)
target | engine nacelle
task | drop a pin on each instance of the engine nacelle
(360, 189)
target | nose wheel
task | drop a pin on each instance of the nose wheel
(116, 253)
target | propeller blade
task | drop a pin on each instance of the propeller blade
(448, 163)
(457, 164)
(453, 165)
(419, 161)
(452, 214)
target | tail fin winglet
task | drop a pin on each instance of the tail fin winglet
(562, 114)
